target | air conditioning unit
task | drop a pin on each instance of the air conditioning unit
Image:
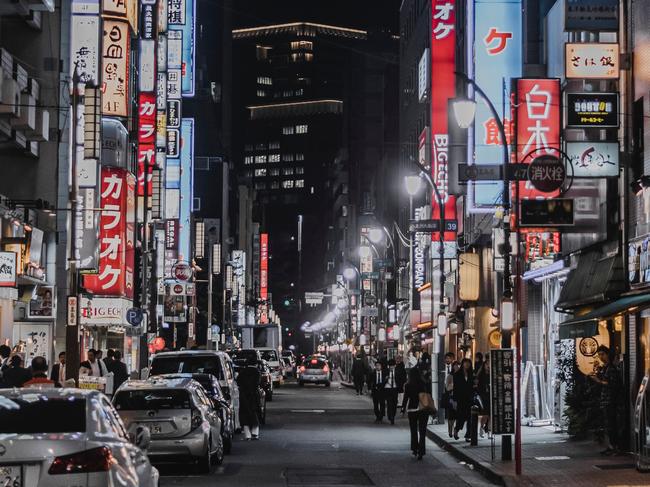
(26, 119)
(10, 98)
(41, 131)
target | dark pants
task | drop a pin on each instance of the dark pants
(611, 419)
(391, 403)
(358, 384)
(464, 416)
(379, 404)
(418, 424)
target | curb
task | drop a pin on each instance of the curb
(480, 467)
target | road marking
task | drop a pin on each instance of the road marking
(557, 457)
(315, 411)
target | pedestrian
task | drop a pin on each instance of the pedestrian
(478, 362)
(5, 352)
(463, 395)
(609, 377)
(120, 373)
(448, 398)
(39, 374)
(93, 366)
(108, 361)
(417, 419)
(376, 384)
(400, 373)
(359, 371)
(248, 381)
(58, 371)
(391, 391)
(424, 364)
(16, 375)
(482, 381)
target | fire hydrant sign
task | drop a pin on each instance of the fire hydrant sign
(502, 391)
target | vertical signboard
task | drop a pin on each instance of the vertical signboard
(498, 40)
(187, 187)
(443, 67)
(181, 41)
(122, 8)
(117, 234)
(115, 68)
(146, 140)
(84, 48)
(239, 288)
(502, 391)
(264, 266)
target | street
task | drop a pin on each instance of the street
(324, 437)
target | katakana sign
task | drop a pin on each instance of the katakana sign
(598, 110)
(592, 61)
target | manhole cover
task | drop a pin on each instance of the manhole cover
(615, 466)
(298, 477)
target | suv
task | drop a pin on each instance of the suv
(212, 362)
(183, 422)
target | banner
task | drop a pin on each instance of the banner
(264, 266)
(115, 68)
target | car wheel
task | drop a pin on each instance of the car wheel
(204, 462)
(269, 396)
(327, 384)
(227, 444)
(217, 458)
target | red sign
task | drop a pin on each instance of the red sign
(117, 235)
(443, 80)
(264, 266)
(146, 140)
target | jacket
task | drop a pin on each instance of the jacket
(373, 384)
(411, 401)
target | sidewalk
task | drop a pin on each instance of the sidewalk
(549, 459)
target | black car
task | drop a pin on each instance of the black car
(221, 404)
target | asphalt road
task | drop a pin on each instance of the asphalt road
(321, 437)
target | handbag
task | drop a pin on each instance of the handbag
(426, 403)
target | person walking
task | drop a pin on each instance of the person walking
(424, 364)
(93, 366)
(359, 372)
(39, 374)
(463, 393)
(448, 399)
(391, 391)
(248, 381)
(609, 377)
(16, 375)
(478, 362)
(417, 419)
(5, 353)
(400, 373)
(58, 371)
(120, 373)
(482, 381)
(110, 357)
(376, 384)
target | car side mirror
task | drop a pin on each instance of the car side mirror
(141, 437)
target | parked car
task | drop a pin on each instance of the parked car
(267, 379)
(262, 400)
(184, 424)
(216, 363)
(53, 437)
(314, 370)
(289, 355)
(272, 356)
(287, 368)
(212, 388)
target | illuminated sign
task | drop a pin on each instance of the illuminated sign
(115, 68)
(147, 60)
(146, 140)
(122, 8)
(84, 48)
(181, 30)
(423, 75)
(598, 110)
(593, 159)
(264, 266)
(591, 15)
(187, 184)
(498, 41)
(592, 61)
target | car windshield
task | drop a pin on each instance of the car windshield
(314, 363)
(154, 399)
(242, 356)
(187, 364)
(270, 355)
(32, 414)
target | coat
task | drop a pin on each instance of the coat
(463, 394)
(16, 376)
(373, 385)
(400, 376)
(120, 374)
(359, 369)
(248, 381)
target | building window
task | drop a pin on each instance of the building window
(274, 157)
(300, 183)
(287, 183)
(248, 147)
(249, 174)
(260, 159)
(260, 185)
(287, 130)
(287, 157)
(300, 92)
(300, 157)
(260, 172)
(287, 171)
(274, 145)
(302, 129)
(300, 170)
(274, 172)
(262, 52)
(249, 160)
(264, 80)
(295, 45)
(261, 146)
(261, 93)
(309, 57)
(275, 184)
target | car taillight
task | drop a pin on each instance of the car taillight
(96, 460)
(197, 420)
(326, 368)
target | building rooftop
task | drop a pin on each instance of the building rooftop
(304, 29)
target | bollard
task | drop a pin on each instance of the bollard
(474, 426)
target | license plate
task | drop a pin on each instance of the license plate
(155, 428)
(11, 476)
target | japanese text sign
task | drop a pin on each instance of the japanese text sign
(122, 8)
(84, 46)
(599, 110)
(264, 265)
(592, 61)
(115, 68)
(146, 140)
(502, 390)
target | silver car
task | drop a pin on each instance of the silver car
(183, 422)
(69, 437)
(314, 370)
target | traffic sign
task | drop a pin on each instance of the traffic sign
(492, 172)
(373, 276)
(134, 316)
(428, 226)
(314, 298)
(370, 299)
(546, 173)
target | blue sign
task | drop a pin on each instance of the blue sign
(184, 26)
(134, 316)
(187, 188)
(498, 46)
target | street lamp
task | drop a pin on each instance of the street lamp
(350, 273)
(464, 111)
(365, 252)
(413, 185)
(442, 323)
(376, 235)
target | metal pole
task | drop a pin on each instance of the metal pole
(410, 258)
(208, 344)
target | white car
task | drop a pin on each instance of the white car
(272, 356)
(69, 437)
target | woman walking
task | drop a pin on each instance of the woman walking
(248, 381)
(463, 395)
(417, 419)
(448, 398)
(483, 390)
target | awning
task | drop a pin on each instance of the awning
(587, 324)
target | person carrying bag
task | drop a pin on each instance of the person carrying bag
(418, 410)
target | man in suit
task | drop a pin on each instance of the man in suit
(58, 371)
(377, 381)
(93, 366)
(391, 391)
(119, 370)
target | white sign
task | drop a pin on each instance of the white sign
(174, 84)
(592, 61)
(103, 311)
(423, 75)
(147, 78)
(115, 68)
(175, 49)
(314, 298)
(84, 48)
(36, 340)
(593, 159)
(7, 269)
(239, 270)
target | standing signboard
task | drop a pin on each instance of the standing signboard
(502, 391)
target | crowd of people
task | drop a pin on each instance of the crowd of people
(14, 373)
